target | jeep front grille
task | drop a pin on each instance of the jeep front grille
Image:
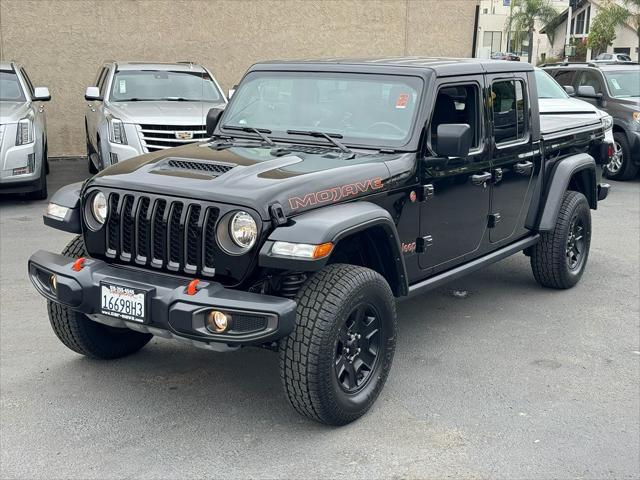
(160, 137)
(169, 234)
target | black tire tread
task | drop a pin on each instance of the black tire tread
(85, 336)
(548, 259)
(319, 303)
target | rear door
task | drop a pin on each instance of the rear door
(513, 160)
(453, 216)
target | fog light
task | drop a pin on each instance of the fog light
(218, 322)
(53, 283)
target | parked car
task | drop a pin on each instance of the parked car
(327, 190)
(614, 88)
(23, 133)
(613, 57)
(555, 100)
(505, 56)
(136, 108)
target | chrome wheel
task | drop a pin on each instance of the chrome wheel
(615, 164)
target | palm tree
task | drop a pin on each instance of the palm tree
(633, 9)
(525, 15)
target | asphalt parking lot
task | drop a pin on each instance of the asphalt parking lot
(494, 377)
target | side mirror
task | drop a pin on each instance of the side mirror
(587, 91)
(92, 93)
(453, 140)
(570, 90)
(41, 94)
(212, 119)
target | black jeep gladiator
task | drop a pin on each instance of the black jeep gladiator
(327, 190)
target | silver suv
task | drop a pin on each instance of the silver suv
(23, 135)
(136, 108)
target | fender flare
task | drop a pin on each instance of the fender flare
(558, 184)
(69, 197)
(332, 224)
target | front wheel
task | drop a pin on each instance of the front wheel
(558, 260)
(86, 337)
(621, 166)
(336, 361)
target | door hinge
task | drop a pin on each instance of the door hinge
(494, 218)
(427, 192)
(423, 242)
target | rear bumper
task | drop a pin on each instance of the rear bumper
(172, 313)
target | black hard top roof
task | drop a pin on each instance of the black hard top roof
(441, 66)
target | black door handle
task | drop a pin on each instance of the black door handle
(480, 178)
(524, 168)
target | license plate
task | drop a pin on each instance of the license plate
(123, 302)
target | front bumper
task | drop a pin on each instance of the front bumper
(15, 157)
(172, 313)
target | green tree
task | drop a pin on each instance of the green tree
(603, 27)
(524, 17)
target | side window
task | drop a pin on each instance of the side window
(590, 79)
(457, 104)
(565, 78)
(507, 97)
(27, 81)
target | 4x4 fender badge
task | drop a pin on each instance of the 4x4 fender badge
(335, 194)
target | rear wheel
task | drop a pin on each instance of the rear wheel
(335, 363)
(621, 166)
(85, 336)
(558, 260)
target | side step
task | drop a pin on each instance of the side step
(444, 277)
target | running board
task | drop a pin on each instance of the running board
(442, 278)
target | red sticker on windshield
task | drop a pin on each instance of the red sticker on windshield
(402, 101)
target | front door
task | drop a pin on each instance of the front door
(513, 159)
(453, 217)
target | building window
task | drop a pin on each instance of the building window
(492, 40)
(580, 22)
(485, 11)
(586, 25)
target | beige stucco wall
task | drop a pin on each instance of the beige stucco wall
(62, 42)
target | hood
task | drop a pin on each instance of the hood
(258, 177)
(632, 103)
(162, 113)
(566, 106)
(12, 112)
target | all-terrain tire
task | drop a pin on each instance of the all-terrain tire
(327, 303)
(85, 336)
(553, 263)
(625, 168)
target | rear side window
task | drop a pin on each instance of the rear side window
(507, 98)
(565, 78)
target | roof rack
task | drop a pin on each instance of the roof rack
(588, 64)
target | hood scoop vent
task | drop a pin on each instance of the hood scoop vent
(210, 168)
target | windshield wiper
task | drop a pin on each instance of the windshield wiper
(258, 131)
(329, 136)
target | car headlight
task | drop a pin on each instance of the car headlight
(98, 210)
(607, 121)
(24, 134)
(57, 211)
(243, 230)
(116, 131)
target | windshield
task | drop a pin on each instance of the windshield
(149, 85)
(624, 83)
(10, 88)
(361, 109)
(548, 87)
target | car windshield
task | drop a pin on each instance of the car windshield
(361, 109)
(624, 83)
(548, 87)
(10, 88)
(149, 85)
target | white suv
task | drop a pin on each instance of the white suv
(136, 108)
(23, 134)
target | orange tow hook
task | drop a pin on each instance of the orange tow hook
(78, 264)
(192, 288)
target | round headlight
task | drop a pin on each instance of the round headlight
(99, 207)
(243, 230)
